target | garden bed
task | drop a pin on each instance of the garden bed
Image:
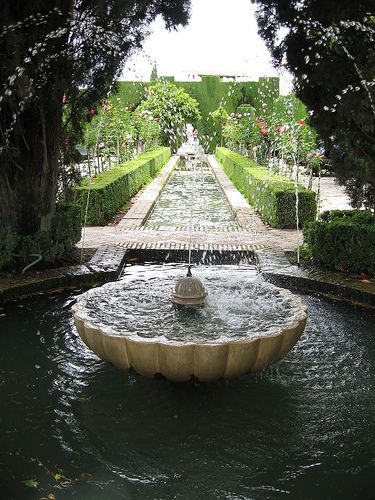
(111, 189)
(271, 195)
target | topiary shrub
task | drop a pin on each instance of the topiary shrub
(272, 196)
(111, 189)
(359, 216)
(343, 241)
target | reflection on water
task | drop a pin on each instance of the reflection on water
(301, 429)
(192, 195)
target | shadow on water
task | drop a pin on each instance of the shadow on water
(302, 429)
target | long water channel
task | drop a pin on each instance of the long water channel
(192, 197)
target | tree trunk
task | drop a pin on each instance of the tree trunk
(29, 180)
(29, 163)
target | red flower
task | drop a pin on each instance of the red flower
(263, 131)
(301, 122)
(93, 111)
(262, 124)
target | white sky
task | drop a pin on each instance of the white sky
(221, 38)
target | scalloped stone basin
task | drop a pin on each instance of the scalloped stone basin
(245, 325)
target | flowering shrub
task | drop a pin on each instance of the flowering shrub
(278, 135)
(117, 133)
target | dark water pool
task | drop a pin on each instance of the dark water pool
(81, 429)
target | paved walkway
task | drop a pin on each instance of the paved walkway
(267, 244)
(252, 232)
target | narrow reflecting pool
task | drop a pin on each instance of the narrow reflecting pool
(192, 196)
(78, 428)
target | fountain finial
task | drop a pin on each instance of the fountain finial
(189, 291)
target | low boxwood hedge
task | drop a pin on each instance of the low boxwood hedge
(343, 240)
(111, 189)
(272, 196)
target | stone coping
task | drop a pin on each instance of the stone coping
(107, 262)
(138, 213)
(276, 268)
(179, 361)
(252, 236)
(105, 265)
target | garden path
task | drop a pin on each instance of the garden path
(252, 233)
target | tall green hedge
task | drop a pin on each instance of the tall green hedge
(211, 92)
(272, 196)
(343, 240)
(111, 189)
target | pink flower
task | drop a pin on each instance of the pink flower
(93, 111)
(64, 99)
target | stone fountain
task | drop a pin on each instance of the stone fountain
(245, 325)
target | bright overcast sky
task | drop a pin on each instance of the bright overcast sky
(221, 38)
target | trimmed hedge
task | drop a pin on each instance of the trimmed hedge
(211, 92)
(272, 196)
(343, 240)
(111, 189)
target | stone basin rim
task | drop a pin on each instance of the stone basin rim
(299, 316)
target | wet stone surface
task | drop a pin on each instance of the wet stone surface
(239, 305)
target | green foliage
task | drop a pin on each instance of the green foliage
(154, 74)
(57, 61)
(53, 244)
(216, 119)
(111, 189)
(277, 131)
(8, 244)
(117, 131)
(328, 46)
(272, 196)
(211, 93)
(173, 108)
(343, 241)
(358, 216)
